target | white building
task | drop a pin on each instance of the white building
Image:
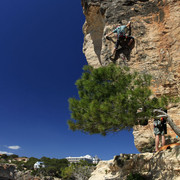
(95, 160)
(38, 165)
(87, 158)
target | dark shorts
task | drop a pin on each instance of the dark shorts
(159, 131)
(160, 128)
(122, 38)
(130, 37)
(119, 39)
(117, 44)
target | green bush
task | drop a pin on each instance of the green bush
(81, 170)
(135, 176)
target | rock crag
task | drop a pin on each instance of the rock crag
(162, 165)
(10, 172)
(156, 29)
(7, 171)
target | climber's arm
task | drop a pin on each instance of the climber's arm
(108, 34)
(128, 24)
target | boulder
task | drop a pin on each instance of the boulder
(153, 166)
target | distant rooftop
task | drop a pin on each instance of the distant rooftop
(88, 158)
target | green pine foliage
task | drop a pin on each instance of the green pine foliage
(110, 99)
(80, 170)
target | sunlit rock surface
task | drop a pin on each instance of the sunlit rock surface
(156, 29)
(162, 165)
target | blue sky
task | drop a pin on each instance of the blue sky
(40, 60)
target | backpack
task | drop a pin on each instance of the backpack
(157, 123)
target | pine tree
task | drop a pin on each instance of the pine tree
(110, 99)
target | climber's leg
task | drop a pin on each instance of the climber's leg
(115, 48)
(156, 142)
(163, 140)
(130, 43)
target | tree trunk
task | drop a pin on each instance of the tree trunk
(174, 127)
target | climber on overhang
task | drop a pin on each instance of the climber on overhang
(121, 31)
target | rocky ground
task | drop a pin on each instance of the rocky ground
(10, 172)
(164, 165)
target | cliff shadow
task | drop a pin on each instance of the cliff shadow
(95, 27)
(97, 43)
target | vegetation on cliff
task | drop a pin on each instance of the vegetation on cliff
(53, 167)
(81, 170)
(112, 98)
(59, 168)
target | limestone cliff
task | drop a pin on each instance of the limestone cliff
(156, 29)
(161, 166)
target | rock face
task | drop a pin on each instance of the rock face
(163, 165)
(10, 172)
(7, 171)
(156, 29)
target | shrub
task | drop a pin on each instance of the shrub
(135, 176)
